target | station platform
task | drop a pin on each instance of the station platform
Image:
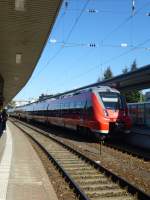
(22, 175)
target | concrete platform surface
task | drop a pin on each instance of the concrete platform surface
(22, 175)
(2, 145)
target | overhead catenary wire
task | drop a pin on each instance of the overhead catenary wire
(64, 45)
(133, 14)
(128, 51)
(98, 45)
(60, 49)
(77, 20)
(73, 27)
(80, 75)
(66, 40)
(136, 47)
(107, 61)
(93, 10)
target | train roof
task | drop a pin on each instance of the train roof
(104, 89)
(75, 92)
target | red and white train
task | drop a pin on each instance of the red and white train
(99, 110)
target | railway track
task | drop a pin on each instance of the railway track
(88, 178)
(134, 151)
(122, 147)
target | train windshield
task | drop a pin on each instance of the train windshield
(112, 100)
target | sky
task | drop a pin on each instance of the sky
(119, 33)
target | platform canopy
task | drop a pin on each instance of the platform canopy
(24, 29)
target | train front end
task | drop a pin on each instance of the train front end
(111, 111)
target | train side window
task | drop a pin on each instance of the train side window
(89, 109)
(65, 110)
(79, 107)
(74, 109)
(70, 108)
(62, 109)
(71, 105)
(79, 104)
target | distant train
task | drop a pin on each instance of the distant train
(140, 113)
(99, 110)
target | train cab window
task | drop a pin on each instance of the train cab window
(111, 100)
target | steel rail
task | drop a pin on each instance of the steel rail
(72, 184)
(115, 178)
(134, 151)
(131, 151)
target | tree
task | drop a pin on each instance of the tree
(133, 95)
(99, 79)
(134, 66)
(125, 70)
(45, 96)
(108, 73)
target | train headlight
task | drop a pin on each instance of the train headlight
(106, 113)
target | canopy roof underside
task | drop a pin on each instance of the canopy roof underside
(24, 29)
